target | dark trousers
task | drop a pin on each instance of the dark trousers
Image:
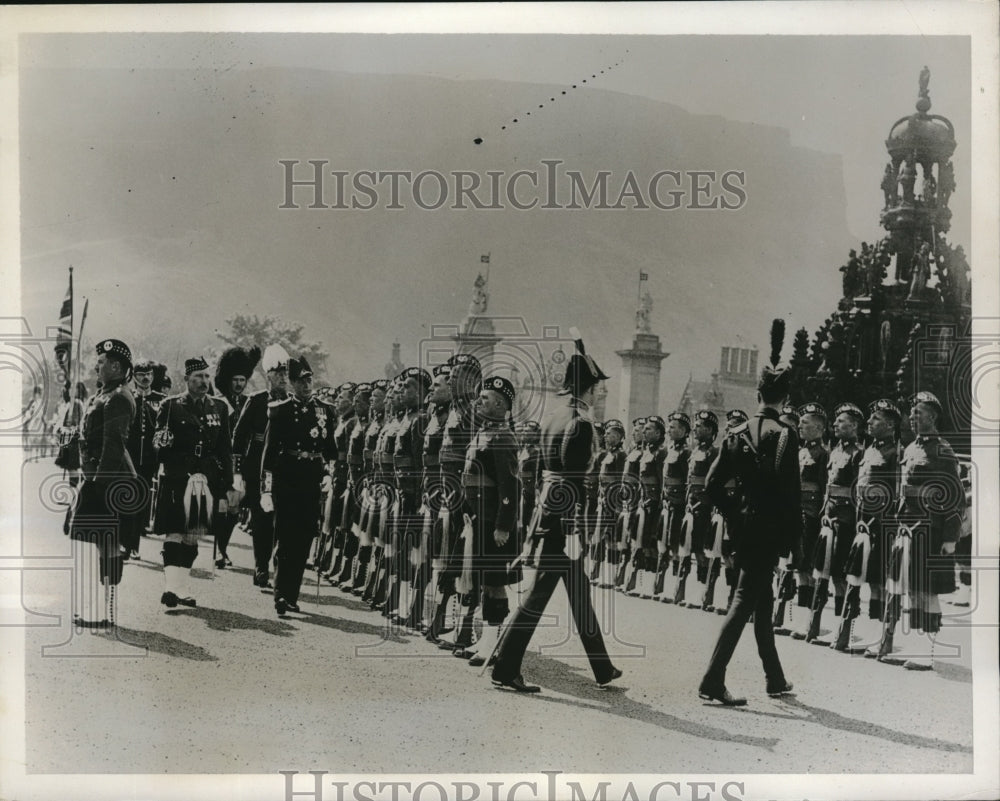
(262, 531)
(554, 566)
(296, 522)
(753, 595)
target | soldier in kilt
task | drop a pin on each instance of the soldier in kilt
(609, 504)
(107, 495)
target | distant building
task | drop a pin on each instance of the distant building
(732, 386)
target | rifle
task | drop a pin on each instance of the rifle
(786, 592)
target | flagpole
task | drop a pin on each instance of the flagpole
(488, 252)
(638, 289)
(83, 322)
(69, 367)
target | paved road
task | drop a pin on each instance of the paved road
(229, 688)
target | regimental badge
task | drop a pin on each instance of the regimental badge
(314, 432)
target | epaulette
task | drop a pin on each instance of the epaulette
(276, 403)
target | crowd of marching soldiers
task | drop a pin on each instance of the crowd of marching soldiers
(418, 496)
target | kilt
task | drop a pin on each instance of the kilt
(810, 533)
(650, 527)
(702, 533)
(842, 518)
(867, 560)
(171, 517)
(674, 514)
(930, 571)
(489, 560)
(95, 518)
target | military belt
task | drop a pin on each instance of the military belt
(477, 480)
(304, 454)
(912, 492)
(696, 481)
(837, 491)
(809, 486)
(431, 460)
(403, 461)
(674, 482)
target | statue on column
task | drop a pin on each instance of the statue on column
(945, 183)
(852, 282)
(642, 314)
(907, 179)
(921, 272)
(889, 184)
(930, 188)
(480, 296)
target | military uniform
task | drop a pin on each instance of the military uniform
(298, 443)
(344, 541)
(568, 446)
(628, 519)
(248, 443)
(143, 453)
(642, 582)
(698, 516)
(106, 495)
(368, 556)
(675, 472)
(386, 498)
(609, 507)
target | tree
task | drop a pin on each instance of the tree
(247, 330)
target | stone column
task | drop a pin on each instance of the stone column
(639, 389)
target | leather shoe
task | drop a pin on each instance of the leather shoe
(479, 660)
(293, 607)
(774, 690)
(517, 684)
(168, 599)
(189, 601)
(463, 653)
(280, 606)
(615, 674)
(722, 695)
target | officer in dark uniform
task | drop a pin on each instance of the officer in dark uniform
(763, 455)
(720, 549)
(568, 448)
(839, 517)
(108, 480)
(490, 484)
(814, 458)
(529, 476)
(248, 443)
(785, 588)
(142, 451)
(929, 519)
(675, 471)
(631, 493)
(465, 380)
(195, 450)
(609, 503)
(298, 443)
(234, 369)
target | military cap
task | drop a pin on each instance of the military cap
(161, 381)
(298, 368)
(235, 361)
(812, 408)
(381, 383)
(929, 398)
(680, 417)
(774, 380)
(117, 349)
(275, 358)
(501, 385)
(851, 409)
(441, 369)
(657, 421)
(639, 421)
(736, 416)
(789, 411)
(144, 366)
(885, 405)
(613, 423)
(194, 365)
(706, 416)
(348, 386)
(464, 359)
(364, 388)
(582, 371)
(418, 373)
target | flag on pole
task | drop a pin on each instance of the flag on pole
(484, 259)
(643, 276)
(64, 334)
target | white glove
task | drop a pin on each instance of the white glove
(326, 485)
(267, 502)
(239, 484)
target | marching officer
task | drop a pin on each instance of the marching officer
(248, 444)
(609, 504)
(234, 369)
(839, 517)
(298, 442)
(529, 476)
(763, 457)
(675, 472)
(107, 473)
(922, 561)
(814, 458)
(142, 451)
(568, 448)
(785, 587)
(195, 450)
(490, 484)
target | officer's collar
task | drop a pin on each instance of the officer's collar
(139, 393)
(706, 444)
(843, 443)
(111, 386)
(922, 438)
(881, 443)
(277, 394)
(813, 443)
